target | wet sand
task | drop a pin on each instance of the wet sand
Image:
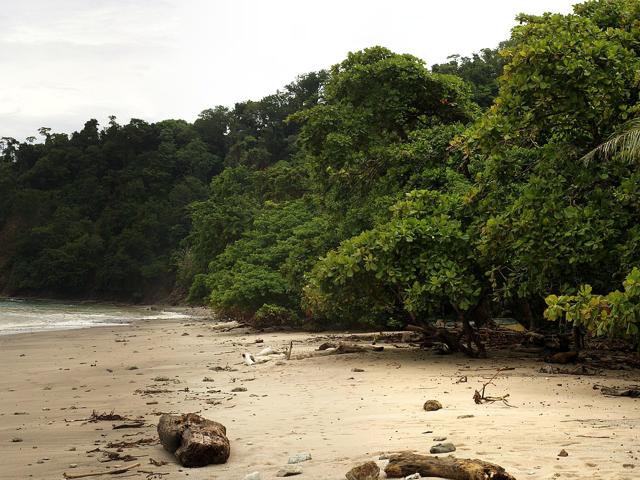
(51, 381)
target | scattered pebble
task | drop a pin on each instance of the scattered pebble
(366, 471)
(443, 448)
(239, 389)
(289, 471)
(439, 439)
(299, 457)
(432, 405)
(16, 440)
(253, 476)
(414, 476)
(466, 416)
(357, 370)
(563, 453)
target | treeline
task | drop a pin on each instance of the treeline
(378, 192)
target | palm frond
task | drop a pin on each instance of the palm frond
(625, 141)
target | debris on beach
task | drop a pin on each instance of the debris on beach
(194, 440)
(480, 397)
(289, 471)
(366, 471)
(116, 471)
(404, 464)
(443, 448)
(299, 458)
(135, 443)
(563, 357)
(98, 417)
(432, 405)
(632, 391)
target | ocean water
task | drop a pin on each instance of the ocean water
(20, 316)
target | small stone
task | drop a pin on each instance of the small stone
(253, 476)
(563, 453)
(73, 465)
(432, 405)
(208, 379)
(16, 439)
(289, 471)
(443, 448)
(299, 457)
(357, 370)
(466, 416)
(415, 476)
(628, 465)
(439, 439)
(366, 471)
(239, 389)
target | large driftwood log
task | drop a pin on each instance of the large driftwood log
(406, 463)
(194, 440)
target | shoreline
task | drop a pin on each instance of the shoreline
(63, 316)
(318, 405)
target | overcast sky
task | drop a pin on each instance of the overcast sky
(65, 61)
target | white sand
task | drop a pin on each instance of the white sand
(315, 405)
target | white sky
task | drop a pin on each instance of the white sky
(63, 62)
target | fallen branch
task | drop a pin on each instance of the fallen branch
(480, 398)
(106, 472)
(579, 370)
(95, 416)
(136, 424)
(632, 391)
(116, 456)
(406, 463)
(136, 443)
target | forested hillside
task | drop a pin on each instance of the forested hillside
(378, 192)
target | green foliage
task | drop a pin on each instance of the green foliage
(98, 213)
(267, 263)
(269, 315)
(616, 314)
(545, 218)
(406, 268)
(567, 81)
(481, 70)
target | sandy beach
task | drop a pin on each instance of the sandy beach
(52, 381)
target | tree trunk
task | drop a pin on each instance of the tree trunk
(525, 315)
(407, 463)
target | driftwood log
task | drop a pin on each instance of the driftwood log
(195, 441)
(632, 391)
(406, 463)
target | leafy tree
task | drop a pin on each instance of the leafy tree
(616, 314)
(481, 70)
